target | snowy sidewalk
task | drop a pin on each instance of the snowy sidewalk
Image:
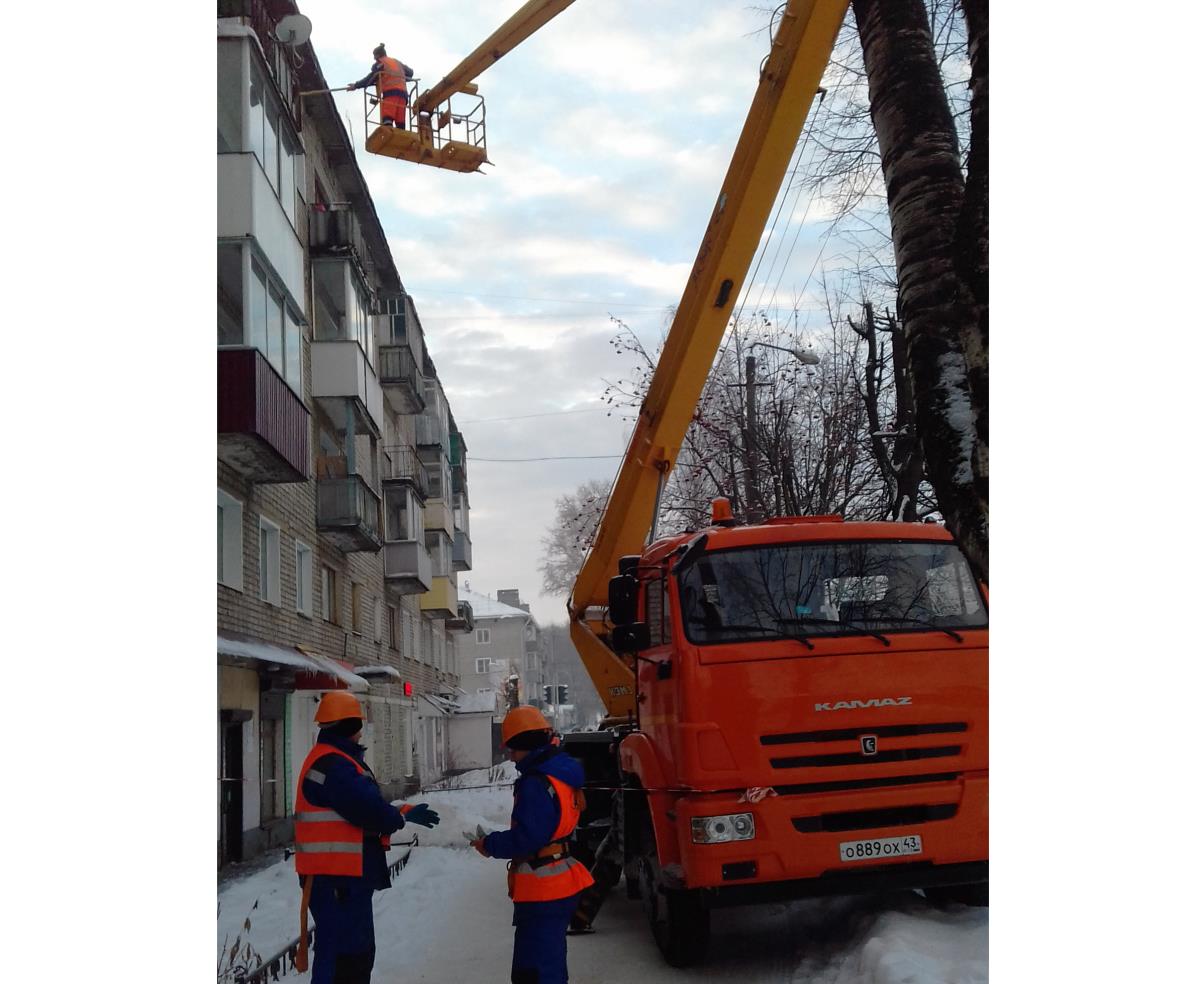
(447, 919)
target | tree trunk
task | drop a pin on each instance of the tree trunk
(938, 309)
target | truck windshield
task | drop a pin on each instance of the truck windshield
(817, 589)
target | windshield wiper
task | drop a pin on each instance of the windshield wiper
(798, 636)
(815, 620)
(922, 621)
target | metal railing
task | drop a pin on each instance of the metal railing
(347, 503)
(401, 464)
(448, 123)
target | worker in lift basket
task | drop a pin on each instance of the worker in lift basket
(543, 879)
(390, 77)
(342, 828)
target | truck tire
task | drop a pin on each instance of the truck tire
(972, 895)
(678, 919)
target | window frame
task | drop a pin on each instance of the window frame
(483, 635)
(270, 589)
(304, 582)
(330, 597)
(230, 545)
(485, 660)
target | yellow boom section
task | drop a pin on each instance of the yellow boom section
(799, 52)
(511, 33)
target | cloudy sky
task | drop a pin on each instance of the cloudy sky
(610, 132)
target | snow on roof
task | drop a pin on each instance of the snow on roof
(479, 703)
(378, 670)
(307, 662)
(442, 704)
(484, 607)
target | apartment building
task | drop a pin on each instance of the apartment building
(342, 513)
(503, 656)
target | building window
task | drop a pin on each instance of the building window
(483, 665)
(330, 603)
(356, 608)
(304, 570)
(483, 637)
(271, 757)
(252, 310)
(268, 561)
(391, 627)
(377, 605)
(229, 541)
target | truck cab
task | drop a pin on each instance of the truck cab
(811, 717)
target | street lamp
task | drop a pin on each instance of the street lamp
(806, 356)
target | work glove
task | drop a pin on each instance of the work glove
(422, 815)
(478, 845)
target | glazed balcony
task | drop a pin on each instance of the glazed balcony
(441, 600)
(407, 567)
(438, 516)
(348, 513)
(262, 425)
(462, 551)
(341, 372)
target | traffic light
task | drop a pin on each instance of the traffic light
(547, 694)
(562, 693)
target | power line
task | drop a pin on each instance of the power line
(561, 457)
(529, 416)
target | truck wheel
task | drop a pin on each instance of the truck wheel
(678, 920)
(972, 895)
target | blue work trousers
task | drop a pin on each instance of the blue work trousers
(344, 950)
(540, 941)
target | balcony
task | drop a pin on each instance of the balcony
(402, 384)
(333, 231)
(340, 372)
(401, 465)
(247, 207)
(432, 432)
(441, 600)
(348, 513)
(262, 426)
(465, 622)
(439, 517)
(462, 551)
(407, 567)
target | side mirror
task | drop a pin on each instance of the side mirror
(631, 638)
(622, 599)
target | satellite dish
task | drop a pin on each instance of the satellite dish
(294, 29)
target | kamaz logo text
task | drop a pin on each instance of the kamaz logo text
(851, 705)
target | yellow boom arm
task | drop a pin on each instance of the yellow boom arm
(799, 52)
(511, 33)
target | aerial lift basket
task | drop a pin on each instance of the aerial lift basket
(453, 137)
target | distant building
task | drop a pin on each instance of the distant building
(342, 512)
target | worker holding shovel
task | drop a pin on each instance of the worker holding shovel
(390, 77)
(543, 878)
(343, 825)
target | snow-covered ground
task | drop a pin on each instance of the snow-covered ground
(447, 919)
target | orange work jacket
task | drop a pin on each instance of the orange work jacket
(552, 873)
(326, 843)
(391, 76)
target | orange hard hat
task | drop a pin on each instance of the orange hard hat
(338, 705)
(521, 719)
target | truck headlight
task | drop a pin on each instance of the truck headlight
(718, 830)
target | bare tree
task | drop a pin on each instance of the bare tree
(569, 537)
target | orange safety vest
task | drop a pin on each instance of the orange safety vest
(326, 843)
(391, 76)
(552, 873)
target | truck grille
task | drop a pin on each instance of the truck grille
(837, 786)
(857, 758)
(849, 734)
(901, 816)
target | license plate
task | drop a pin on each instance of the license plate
(879, 847)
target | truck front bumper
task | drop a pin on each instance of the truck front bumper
(797, 840)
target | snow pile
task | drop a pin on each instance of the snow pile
(917, 943)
